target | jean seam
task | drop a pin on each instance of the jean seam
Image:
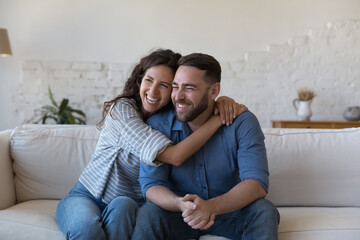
(66, 218)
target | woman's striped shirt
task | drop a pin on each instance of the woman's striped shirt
(124, 140)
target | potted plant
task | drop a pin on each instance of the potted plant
(61, 113)
(305, 94)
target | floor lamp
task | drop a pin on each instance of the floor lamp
(5, 49)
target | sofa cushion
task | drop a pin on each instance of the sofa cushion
(310, 167)
(319, 223)
(7, 194)
(48, 159)
(30, 220)
(36, 219)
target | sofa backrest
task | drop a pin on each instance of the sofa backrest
(48, 159)
(308, 167)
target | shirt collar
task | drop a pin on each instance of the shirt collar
(183, 127)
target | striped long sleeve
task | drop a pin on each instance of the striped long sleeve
(124, 141)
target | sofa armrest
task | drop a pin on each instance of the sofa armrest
(7, 188)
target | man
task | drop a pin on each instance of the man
(220, 190)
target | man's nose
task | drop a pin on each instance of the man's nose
(179, 95)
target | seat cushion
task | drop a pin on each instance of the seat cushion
(299, 223)
(36, 220)
(30, 220)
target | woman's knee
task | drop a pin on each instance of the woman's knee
(81, 228)
(120, 209)
(123, 204)
(78, 219)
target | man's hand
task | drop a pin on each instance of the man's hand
(201, 215)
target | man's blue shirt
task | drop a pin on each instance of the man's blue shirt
(233, 154)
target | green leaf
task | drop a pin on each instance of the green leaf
(52, 97)
(70, 117)
(80, 121)
(49, 108)
(61, 119)
(63, 105)
(77, 111)
(45, 117)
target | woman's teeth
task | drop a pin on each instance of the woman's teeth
(151, 100)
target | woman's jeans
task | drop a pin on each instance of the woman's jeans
(257, 221)
(81, 216)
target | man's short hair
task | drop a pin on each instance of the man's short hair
(204, 62)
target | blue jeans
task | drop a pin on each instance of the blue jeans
(257, 221)
(81, 216)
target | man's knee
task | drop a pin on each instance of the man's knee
(148, 222)
(155, 223)
(265, 209)
(148, 213)
(152, 217)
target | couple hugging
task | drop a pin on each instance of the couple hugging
(172, 162)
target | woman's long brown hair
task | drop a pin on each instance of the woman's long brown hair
(132, 86)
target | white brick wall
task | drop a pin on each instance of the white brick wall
(326, 60)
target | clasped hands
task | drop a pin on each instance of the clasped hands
(197, 212)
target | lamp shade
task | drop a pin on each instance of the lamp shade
(5, 49)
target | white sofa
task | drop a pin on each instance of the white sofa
(314, 179)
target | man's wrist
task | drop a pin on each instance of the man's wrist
(215, 206)
(180, 204)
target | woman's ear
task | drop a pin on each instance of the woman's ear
(215, 90)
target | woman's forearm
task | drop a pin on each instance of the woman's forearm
(177, 154)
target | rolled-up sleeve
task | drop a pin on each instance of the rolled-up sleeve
(150, 176)
(251, 154)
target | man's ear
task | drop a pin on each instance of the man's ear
(215, 90)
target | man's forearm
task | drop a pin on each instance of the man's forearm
(238, 197)
(164, 198)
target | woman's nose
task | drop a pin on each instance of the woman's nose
(154, 89)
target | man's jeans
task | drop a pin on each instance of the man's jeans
(81, 216)
(257, 221)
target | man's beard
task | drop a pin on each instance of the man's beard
(192, 114)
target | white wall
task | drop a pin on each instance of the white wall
(121, 31)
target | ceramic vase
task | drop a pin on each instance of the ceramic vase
(303, 109)
(352, 114)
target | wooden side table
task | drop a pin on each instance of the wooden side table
(314, 124)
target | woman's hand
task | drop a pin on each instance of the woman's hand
(228, 109)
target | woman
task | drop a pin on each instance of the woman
(103, 203)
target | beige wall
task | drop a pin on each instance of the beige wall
(122, 31)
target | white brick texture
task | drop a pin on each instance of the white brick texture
(326, 61)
